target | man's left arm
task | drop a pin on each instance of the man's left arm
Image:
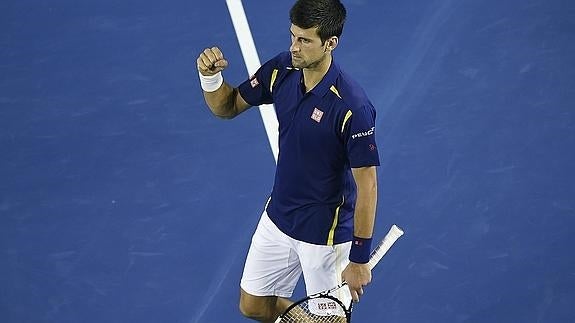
(358, 274)
(364, 217)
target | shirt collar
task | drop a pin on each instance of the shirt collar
(327, 81)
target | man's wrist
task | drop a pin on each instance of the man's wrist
(360, 250)
(211, 83)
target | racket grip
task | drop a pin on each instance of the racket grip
(383, 247)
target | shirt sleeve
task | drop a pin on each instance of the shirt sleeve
(359, 137)
(256, 90)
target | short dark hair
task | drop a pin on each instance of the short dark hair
(327, 15)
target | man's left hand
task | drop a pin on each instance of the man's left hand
(357, 276)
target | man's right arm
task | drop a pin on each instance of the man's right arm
(223, 100)
(226, 102)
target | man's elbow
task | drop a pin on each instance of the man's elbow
(226, 116)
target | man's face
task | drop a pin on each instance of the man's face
(307, 49)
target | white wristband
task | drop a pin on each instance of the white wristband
(211, 83)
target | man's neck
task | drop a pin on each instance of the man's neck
(312, 76)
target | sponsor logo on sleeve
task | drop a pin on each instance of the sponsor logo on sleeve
(254, 81)
(363, 133)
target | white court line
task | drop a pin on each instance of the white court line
(252, 61)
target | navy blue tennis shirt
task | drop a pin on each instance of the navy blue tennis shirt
(322, 135)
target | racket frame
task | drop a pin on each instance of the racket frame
(377, 254)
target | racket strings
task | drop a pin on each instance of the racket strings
(321, 311)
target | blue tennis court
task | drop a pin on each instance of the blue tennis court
(122, 199)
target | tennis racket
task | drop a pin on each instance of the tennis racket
(324, 307)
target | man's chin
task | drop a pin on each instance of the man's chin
(296, 62)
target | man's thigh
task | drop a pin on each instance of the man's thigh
(322, 267)
(272, 265)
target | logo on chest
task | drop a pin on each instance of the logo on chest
(316, 114)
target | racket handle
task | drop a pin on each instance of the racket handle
(390, 238)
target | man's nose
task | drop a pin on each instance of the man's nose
(294, 47)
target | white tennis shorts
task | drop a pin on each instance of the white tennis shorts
(275, 263)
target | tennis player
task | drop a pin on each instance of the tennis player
(320, 215)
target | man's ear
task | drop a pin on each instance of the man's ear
(331, 43)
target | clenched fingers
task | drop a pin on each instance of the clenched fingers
(357, 277)
(211, 61)
(356, 292)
